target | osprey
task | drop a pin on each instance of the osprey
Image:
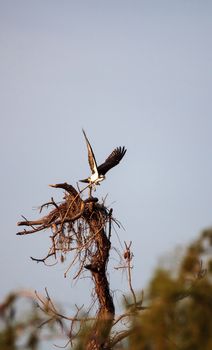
(98, 172)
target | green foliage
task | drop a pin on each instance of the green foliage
(19, 322)
(180, 307)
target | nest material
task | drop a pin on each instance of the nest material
(83, 227)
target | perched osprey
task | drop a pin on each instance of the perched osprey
(98, 172)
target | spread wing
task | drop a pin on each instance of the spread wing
(91, 157)
(114, 158)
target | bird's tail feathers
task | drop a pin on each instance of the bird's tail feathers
(85, 180)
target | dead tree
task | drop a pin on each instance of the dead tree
(84, 228)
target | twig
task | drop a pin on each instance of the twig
(120, 336)
(42, 260)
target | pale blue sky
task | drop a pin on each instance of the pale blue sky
(133, 73)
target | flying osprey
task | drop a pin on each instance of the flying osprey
(98, 172)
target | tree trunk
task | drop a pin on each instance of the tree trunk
(100, 331)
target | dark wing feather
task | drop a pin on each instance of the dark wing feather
(91, 157)
(113, 159)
